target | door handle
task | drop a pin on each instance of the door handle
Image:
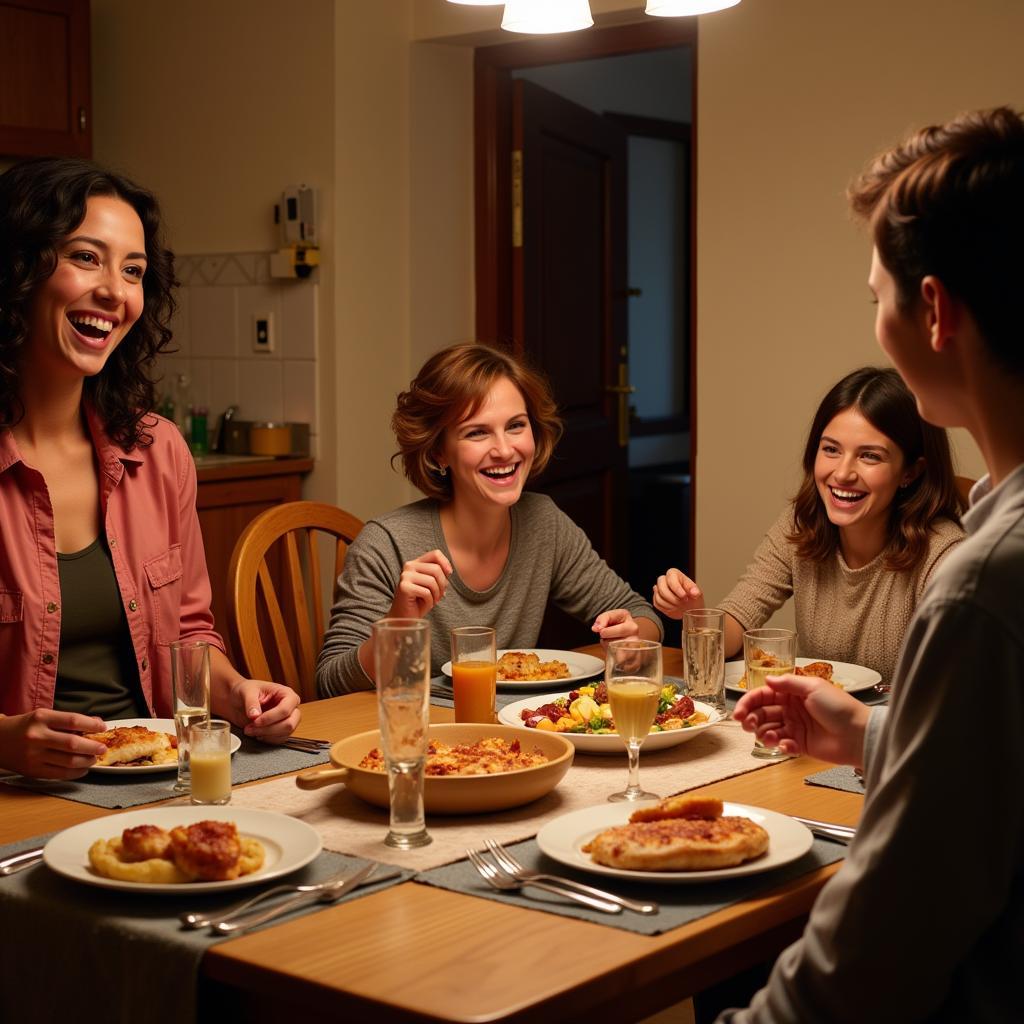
(623, 389)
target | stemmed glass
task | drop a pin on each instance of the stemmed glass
(401, 649)
(767, 652)
(190, 685)
(632, 674)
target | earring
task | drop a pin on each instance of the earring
(443, 470)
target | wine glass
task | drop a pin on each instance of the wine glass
(632, 674)
(767, 652)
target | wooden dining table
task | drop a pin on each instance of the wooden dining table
(416, 953)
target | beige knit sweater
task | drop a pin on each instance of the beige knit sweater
(842, 614)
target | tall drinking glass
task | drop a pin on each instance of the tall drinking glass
(632, 673)
(704, 652)
(767, 652)
(474, 673)
(401, 650)
(190, 684)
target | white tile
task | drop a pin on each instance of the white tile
(199, 389)
(299, 391)
(223, 386)
(212, 322)
(260, 393)
(252, 300)
(298, 320)
(232, 272)
(166, 369)
(182, 338)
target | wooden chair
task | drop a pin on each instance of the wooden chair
(274, 587)
(963, 487)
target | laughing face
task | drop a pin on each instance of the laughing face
(489, 453)
(858, 471)
(84, 309)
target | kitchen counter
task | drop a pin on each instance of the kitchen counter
(237, 467)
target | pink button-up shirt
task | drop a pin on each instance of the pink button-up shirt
(148, 512)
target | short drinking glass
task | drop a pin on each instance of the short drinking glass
(474, 673)
(704, 651)
(632, 673)
(767, 652)
(209, 756)
(190, 683)
(401, 649)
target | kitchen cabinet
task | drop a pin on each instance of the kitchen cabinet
(230, 495)
(44, 78)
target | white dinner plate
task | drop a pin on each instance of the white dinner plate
(288, 845)
(563, 837)
(852, 678)
(157, 725)
(610, 743)
(581, 666)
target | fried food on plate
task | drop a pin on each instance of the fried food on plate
(819, 669)
(682, 833)
(205, 851)
(134, 744)
(522, 666)
(489, 756)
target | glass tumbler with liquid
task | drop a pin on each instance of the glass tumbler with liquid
(474, 673)
(190, 686)
(767, 652)
(704, 656)
(209, 758)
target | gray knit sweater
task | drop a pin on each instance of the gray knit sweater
(549, 558)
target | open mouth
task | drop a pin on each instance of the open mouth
(96, 328)
(847, 497)
(501, 474)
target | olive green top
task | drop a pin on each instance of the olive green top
(97, 674)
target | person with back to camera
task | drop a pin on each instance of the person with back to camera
(877, 511)
(925, 919)
(472, 428)
(101, 558)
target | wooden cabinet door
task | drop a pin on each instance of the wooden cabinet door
(44, 78)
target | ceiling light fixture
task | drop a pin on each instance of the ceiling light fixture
(544, 16)
(685, 8)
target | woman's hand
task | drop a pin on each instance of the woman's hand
(616, 624)
(423, 583)
(675, 593)
(267, 711)
(804, 715)
(45, 744)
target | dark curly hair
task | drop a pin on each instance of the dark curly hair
(884, 400)
(451, 385)
(42, 201)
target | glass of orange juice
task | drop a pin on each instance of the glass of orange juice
(474, 673)
(210, 762)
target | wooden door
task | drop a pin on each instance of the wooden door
(569, 304)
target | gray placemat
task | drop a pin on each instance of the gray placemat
(113, 951)
(843, 778)
(254, 760)
(680, 904)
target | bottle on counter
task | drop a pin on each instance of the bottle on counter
(198, 435)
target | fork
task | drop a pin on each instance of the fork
(507, 862)
(499, 879)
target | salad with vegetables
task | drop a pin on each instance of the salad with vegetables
(587, 710)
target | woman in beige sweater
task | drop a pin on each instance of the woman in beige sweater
(877, 511)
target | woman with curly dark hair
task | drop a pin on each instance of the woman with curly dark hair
(101, 557)
(877, 511)
(472, 428)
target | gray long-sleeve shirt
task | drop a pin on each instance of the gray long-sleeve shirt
(549, 558)
(925, 919)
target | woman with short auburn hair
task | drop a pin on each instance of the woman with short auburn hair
(472, 428)
(876, 513)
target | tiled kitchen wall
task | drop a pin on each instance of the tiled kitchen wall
(213, 335)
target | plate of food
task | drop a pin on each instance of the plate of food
(852, 678)
(528, 668)
(139, 746)
(583, 716)
(182, 849)
(680, 840)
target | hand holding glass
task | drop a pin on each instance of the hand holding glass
(190, 683)
(209, 756)
(474, 673)
(767, 652)
(632, 673)
(401, 649)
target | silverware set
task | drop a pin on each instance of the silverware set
(828, 830)
(504, 872)
(306, 746)
(20, 861)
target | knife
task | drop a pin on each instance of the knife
(20, 861)
(828, 830)
(329, 894)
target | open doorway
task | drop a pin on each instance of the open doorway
(584, 263)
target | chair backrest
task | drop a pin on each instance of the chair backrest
(963, 486)
(274, 587)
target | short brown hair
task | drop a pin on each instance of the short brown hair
(451, 385)
(949, 201)
(884, 400)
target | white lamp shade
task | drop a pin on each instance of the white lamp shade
(684, 8)
(478, 3)
(543, 16)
